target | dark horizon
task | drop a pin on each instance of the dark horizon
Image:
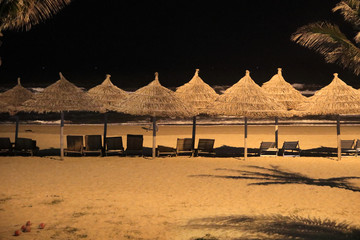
(132, 40)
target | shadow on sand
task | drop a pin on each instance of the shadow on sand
(230, 151)
(274, 227)
(275, 175)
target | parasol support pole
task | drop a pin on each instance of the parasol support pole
(245, 138)
(154, 137)
(105, 132)
(16, 127)
(338, 137)
(193, 135)
(276, 132)
(61, 135)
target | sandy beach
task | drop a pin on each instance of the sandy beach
(181, 197)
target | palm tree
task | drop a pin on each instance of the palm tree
(23, 14)
(328, 40)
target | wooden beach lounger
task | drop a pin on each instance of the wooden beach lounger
(291, 149)
(26, 145)
(164, 150)
(93, 144)
(134, 145)
(5, 145)
(349, 147)
(205, 146)
(74, 144)
(268, 149)
(114, 145)
(184, 145)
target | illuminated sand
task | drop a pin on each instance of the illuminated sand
(165, 198)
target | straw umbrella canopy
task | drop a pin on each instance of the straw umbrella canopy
(199, 95)
(107, 94)
(247, 99)
(5, 108)
(14, 97)
(283, 93)
(59, 97)
(334, 99)
(156, 101)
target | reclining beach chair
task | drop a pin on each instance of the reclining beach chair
(184, 145)
(348, 147)
(205, 146)
(134, 145)
(114, 145)
(74, 144)
(164, 150)
(268, 149)
(5, 145)
(93, 144)
(291, 149)
(26, 145)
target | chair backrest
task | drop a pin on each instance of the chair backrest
(114, 143)
(267, 145)
(184, 144)
(74, 143)
(206, 144)
(5, 143)
(134, 142)
(291, 145)
(93, 142)
(347, 144)
(24, 144)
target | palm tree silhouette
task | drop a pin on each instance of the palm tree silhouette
(328, 40)
(23, 14)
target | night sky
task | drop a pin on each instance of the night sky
(133, 39)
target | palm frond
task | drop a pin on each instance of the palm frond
(329, 41)
(350, 10)
(23, 14)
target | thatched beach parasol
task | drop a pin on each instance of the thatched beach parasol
(199, 96)
(283, 93)
(334, 99)
(5, 108)
(108, 95)
(14, 97)
(59, 97)
(247, 99)
(156, 101)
